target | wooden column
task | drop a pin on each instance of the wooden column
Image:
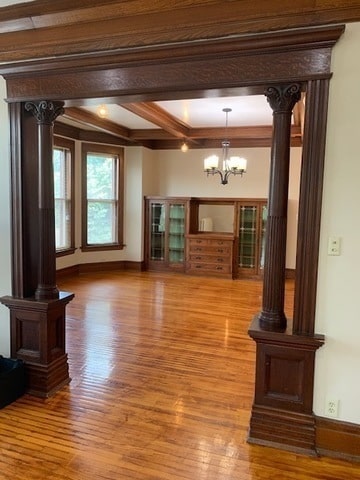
(282, 100)
(46, 113)
(37, 308)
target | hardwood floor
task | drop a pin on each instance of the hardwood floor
(162, 385)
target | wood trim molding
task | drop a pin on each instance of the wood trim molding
(32, 32)
(338, 439)
(310, 203)
(147, 73)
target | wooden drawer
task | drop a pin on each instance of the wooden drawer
(194, 267)
(209, 241)
(210, 249)
(200, 258)
(198, 241)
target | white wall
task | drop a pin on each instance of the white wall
(337, 316)
(5, 255)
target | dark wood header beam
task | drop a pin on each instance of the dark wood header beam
(45, 28)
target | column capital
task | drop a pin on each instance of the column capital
(282, 98)
(45, 111)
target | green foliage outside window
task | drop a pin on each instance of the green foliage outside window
(101, 199)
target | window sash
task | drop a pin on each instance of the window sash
(63, 187)
(102, 197)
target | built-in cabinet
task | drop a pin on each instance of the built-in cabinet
(167, 224)
(206, 236)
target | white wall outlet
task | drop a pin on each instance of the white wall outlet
(332, 407)
(334, 246)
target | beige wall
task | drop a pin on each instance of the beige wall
(337, 316)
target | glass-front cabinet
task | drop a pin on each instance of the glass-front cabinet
(165, 234)
(252, 216)
(176, 235)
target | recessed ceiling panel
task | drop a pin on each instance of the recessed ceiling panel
(207, 112)
(123, 117)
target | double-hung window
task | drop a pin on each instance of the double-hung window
(102, 197)
(63, 154)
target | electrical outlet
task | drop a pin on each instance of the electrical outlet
(332, 407)
(334, 246)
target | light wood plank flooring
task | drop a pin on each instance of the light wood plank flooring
(162, 385)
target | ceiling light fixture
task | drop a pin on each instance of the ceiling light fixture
(184, 147)
(231, 165)
(102, 111)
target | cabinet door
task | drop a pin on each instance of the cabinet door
(157, 224)
(263, 219)
(176, 233)
(248, 238)
(252, 229)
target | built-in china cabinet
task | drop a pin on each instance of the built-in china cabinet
(206, 236)
(167, 222)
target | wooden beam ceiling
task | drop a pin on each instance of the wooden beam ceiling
(172, 132)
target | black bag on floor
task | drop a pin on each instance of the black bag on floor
(12, 380)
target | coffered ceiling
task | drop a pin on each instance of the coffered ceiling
(200, 122)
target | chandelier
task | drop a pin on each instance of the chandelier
(231, 165)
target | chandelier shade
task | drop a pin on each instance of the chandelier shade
(231, 165)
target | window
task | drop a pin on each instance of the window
(102, 195)
(63, 153)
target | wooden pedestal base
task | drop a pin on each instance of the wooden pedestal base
(282, 429)
(38, 338)
(282, 414)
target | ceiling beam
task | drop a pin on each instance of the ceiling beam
(201, 134)
(158, 116)
(92, 120)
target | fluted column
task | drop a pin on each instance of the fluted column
(46, 113)
(282, 100)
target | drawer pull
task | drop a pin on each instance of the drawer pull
(198, 249)
(220, 250)
(219, 268)
(198, 266)
(198, 257)
(220, 259)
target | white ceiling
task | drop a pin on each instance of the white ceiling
(200, 113)
(208, 112)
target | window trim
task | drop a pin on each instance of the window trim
(112, 150)
(61, 142)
